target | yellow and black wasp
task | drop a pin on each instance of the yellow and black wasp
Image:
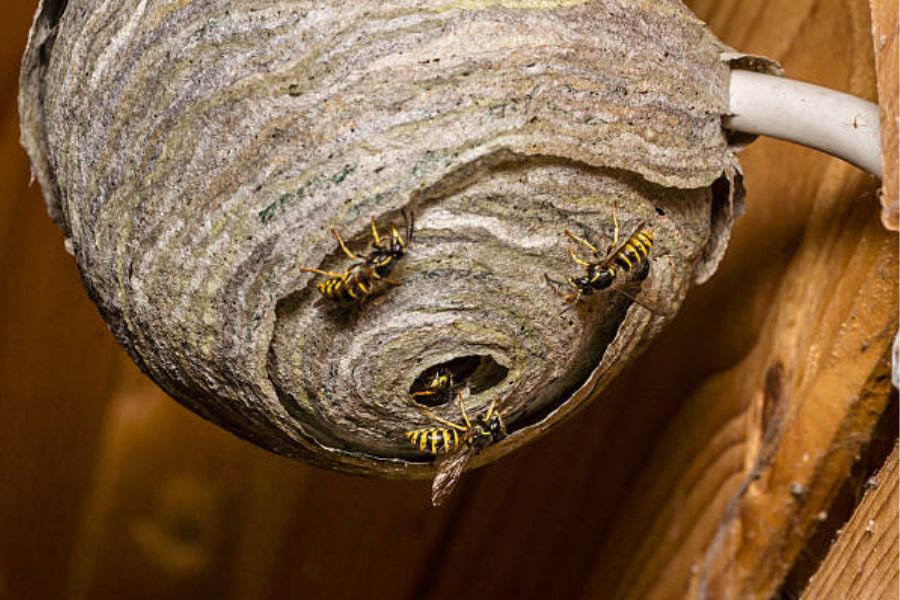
(362, 278)
(454, 445)
(605, 270)
(437, 388)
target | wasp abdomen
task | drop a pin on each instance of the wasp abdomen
(360, 280)
(343, 289)
(435, 440)
(634, 250)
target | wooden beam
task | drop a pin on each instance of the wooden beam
(885, 29)
(863, 561)
(759, 446)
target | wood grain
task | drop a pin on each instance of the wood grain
(758, 446)
(885, 29)
(57, 364)
(862, 563)
(112, 490)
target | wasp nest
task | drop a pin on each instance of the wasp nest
(197, 155)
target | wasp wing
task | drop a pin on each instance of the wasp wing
(615, 250)
(450, 468)
(632, 289)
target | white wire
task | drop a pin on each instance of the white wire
(836, 123)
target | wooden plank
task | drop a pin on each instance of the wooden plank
(758, 446)
(862, 562)
(58, 364)
(176, 509)
(15, 166)
(885, 29)
(181, 509)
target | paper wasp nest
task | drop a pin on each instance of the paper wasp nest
(198, 153)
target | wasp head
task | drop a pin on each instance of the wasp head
(598, 277)
(582, 284)
(442, 380)
(487, 431)
(439, 385)
(397, 246)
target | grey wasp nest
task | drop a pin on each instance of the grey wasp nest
(197, 155)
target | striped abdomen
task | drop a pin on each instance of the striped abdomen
(344, 289)
(435, 440)
(635, 250)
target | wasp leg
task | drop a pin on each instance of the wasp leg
(573, 297)
(502, 425)
(376, 239)
(362, 302)
(490, 411)
(462, 409)
(390, 281)
(580, 261)
(582, 241)
(615, 226)
(325, 273)
(343, 246)
(441, 420)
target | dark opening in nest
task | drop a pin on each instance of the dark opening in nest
(477, 372)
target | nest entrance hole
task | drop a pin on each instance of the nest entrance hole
(477, 372)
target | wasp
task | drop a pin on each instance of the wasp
(605, 270)
(362, 278)
(455, 445)
(438, 387)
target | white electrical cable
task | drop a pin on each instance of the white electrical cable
(836, 123)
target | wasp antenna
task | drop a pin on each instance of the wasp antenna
(555, 286)
(552, 283)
